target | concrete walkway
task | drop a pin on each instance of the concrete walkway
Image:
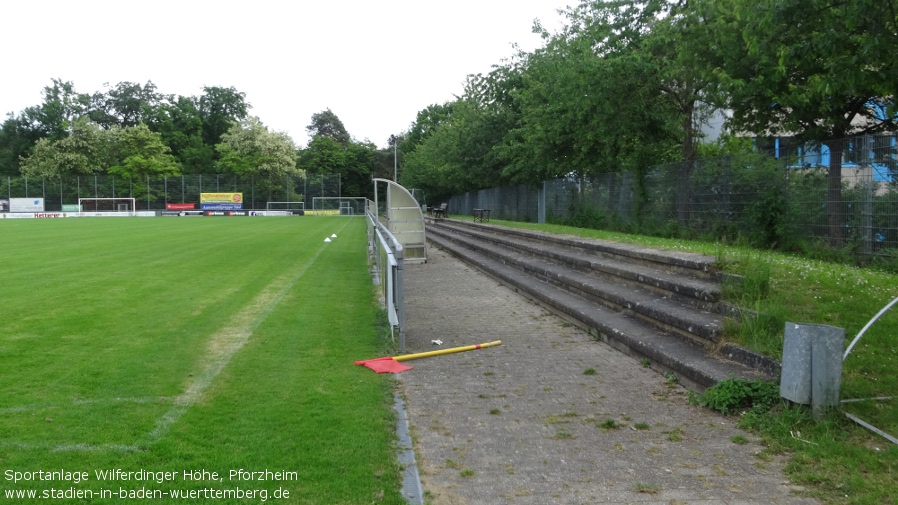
(554, 416)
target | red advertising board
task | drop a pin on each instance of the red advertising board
(180, 206)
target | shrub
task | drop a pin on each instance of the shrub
(733, 395)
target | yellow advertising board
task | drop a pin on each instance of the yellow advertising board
(221, 197)
(221, 201)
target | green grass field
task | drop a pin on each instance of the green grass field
(175, 349)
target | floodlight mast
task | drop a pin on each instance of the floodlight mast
(395, 140)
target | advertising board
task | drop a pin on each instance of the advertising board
(221, 201)
(26, 204)
(180, 206)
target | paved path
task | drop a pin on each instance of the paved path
(554, 416)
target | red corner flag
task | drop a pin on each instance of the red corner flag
(384, 365)
(391, 364)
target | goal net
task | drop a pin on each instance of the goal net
(340, 205)
(285, 206)
(107, 204)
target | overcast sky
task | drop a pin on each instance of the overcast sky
(375, 64)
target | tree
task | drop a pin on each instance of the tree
(56, 116)
(249, 148)
(219, 108)
(132, 152)
(426, 121)
(17, 137)
(449, 161)
(327, 124)
(813, 69)
(592, 99)
(355, 176)
(125, 104)
(89, 150)
(178, 121)
(323, 155)
(140, 153)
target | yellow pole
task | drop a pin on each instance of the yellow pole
(446, 351)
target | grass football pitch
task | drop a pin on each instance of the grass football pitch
(191, 360)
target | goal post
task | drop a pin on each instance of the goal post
(107, 204)
(340, 205)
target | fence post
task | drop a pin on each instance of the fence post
(541, 204)
(867, 214)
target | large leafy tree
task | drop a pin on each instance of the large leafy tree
(331, 150)
(190, 126)
(450, 160)
(426, 121)
(140, 153)
(592, 99)
(178, 121)
(327, 124)
(131, 152)
(56, 116)
(17, 137)
(323, 155)
(53, 119)
(354, 162)
(125, 104)
(218, 108)
(250, 148)
(455, 147)
(86, 151)
(434, 165)
(89, 150)
(816, 70)
(355, 178)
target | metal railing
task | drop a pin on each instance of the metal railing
(388, 256)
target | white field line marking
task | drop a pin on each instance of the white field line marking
(226, 342)
(223, 345)
(221, 348)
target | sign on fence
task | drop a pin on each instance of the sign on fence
(221, 201)
(26, 204)
(180, 206)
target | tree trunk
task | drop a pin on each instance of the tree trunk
(834, 210)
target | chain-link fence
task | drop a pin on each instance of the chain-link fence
(155, 193)
(777, 198)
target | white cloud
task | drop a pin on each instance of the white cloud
(374, 64)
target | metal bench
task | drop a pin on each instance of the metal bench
(439, 211)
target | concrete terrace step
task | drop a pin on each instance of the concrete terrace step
(652, 304)
(678, 279)
(665, 313)
(671, 261)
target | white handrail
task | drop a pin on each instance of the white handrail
(868, 325)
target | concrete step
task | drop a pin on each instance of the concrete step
(651, 304)
(688, 276)
(662, 310)
(689, 264)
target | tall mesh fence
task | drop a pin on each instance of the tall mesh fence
(783, 195)
(154, 193)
